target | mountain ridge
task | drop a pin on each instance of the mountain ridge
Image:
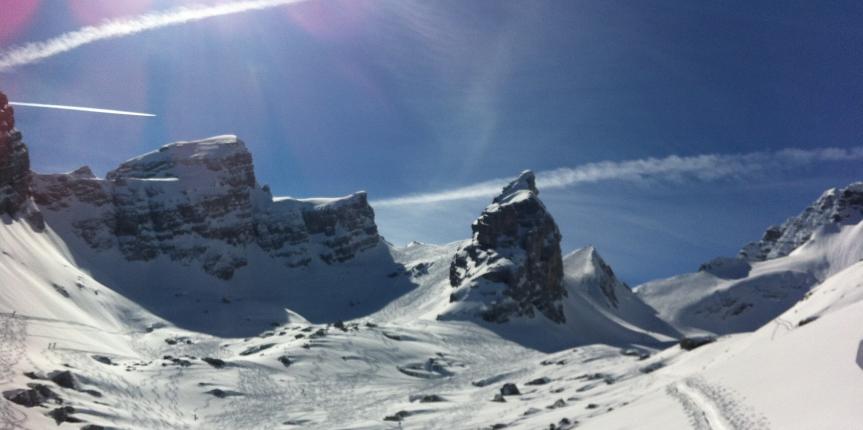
(177, 199)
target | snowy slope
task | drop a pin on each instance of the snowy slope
(93, 338)
(606, 307)
(429, 374)
(783, 376)
(719, 303)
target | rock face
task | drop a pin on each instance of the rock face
(14, 163)
(836, 206)
(199, 203)
(14, 173)
(14, 170)
(512, 267)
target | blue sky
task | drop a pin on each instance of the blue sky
(404, 97)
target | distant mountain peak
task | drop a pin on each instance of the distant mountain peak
(83, 172)
(835, 206)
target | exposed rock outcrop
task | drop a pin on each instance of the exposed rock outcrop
(14, 162)
(14, 173)
(14, 170)
(836, 206)
(199, 203)
(512, 267)
(727, 267)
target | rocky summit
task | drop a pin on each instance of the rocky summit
(14, 169)
(199, 202)
(512, 266)
(843, 206)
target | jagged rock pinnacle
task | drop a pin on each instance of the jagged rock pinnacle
(14, 164)
(512, 267)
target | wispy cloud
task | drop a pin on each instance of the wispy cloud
(708, 167)
(37, 51)
(81, 109)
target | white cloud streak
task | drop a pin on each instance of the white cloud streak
(81, 109)
(703, 168)
(37, 51)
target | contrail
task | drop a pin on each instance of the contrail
(81, 109)
(708, 167)
(36, 51)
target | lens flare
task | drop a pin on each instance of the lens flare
(90, 12)
(15, 17)
(329, 20)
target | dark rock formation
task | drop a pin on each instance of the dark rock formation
(102, 359)
(398, 416)
(199, 202)
(64, 378)
(14, 173)
(257, 348)
(426, 398)
(14, 170)
(7, 115)
(509, 389)
(285, 360)
(539, 381)
(513, 265)
(34, 395)
(64, 415)
(842, 206)
(690, 343)
(220, 393)
(215, 362)
(727, 268)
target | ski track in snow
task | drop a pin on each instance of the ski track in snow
(13, 334)
(713, 407)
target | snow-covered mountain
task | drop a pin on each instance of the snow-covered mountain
(736, 294)
(510, 277)
(178, 293)
(200, 203)
(836, 207)
(512, 266)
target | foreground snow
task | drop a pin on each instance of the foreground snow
(396, 360)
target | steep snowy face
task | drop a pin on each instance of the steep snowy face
(589, 272)
(512, 266)
(199, 202)
(602, 308)
(842, 206)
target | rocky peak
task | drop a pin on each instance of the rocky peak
(14, 169)
(842, 206)
(223, 159)
(512, 266)
(83, 172)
